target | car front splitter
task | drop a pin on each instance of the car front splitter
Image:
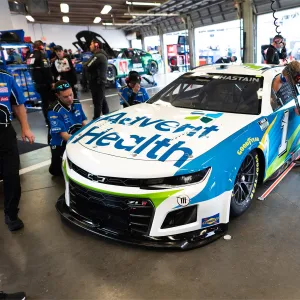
(185, 241)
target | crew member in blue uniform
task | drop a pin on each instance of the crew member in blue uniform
(133, 93)
(11, 99)
(65, 117)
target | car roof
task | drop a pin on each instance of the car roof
(237, 69)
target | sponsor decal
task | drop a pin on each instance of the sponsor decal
(204, 117)
(210, 221)
(3, 99)
(54, 123)
(96, 178)
(3, 89)
(123, 66)
(151, 145)
(53, 117)
(3, 84)
(248, 143)
(183, 200)
(66, 118)
(263, 124)
(77, 113)
(55, 129)
(239, 78)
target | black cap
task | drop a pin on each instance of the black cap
(58, 48)
(134, 77)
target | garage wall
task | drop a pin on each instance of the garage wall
(64, 35)
(19, 22)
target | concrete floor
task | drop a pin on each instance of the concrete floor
(51, 259)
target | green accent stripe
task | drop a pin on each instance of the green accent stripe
(156, 198)
(65, 170)
(192, 118)
(279, 161)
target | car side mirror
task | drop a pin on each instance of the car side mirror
(260, 94)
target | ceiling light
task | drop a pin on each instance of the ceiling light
(106, 9)
(16, 2)
(64, 8)
(66, 19)
(30, 18)
(152, 14)
(97, 20)
(143, 3)
(127, 24)
(133, 17)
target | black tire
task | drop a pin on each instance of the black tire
(111, 74)
(152, 67)
(245, 185)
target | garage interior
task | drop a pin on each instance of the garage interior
(52, 259)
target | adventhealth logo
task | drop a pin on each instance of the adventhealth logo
(153, 144)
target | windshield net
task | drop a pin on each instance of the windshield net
(223, 93)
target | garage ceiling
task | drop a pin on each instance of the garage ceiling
(201, 12)
(83, 12)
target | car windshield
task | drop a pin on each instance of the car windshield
(214, 92)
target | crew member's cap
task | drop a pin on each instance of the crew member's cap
(61, 85)
(52, 45)
(134, 77)
(234, 58)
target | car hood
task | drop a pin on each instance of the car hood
(155, 132)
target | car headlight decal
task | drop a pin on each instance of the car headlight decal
(169, 182)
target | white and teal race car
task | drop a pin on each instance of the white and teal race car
(170, 172)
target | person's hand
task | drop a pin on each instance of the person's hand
(297, 111)
(136, 88)
(27, 134)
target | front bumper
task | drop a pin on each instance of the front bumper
(184, 241)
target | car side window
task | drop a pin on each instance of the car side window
(281, 94)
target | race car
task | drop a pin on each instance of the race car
(120, 61)
(172, 171)
(129, 59)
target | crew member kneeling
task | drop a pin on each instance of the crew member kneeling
(133, 93)
(65, 118)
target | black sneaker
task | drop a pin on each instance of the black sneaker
(15, 296)
(13, 224)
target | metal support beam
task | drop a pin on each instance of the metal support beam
(162, 47)
(249, 21)
(191, 34)
(143, 43)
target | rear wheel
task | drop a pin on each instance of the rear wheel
(152, 67)
(245, 184)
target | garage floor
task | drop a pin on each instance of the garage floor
(51, 259)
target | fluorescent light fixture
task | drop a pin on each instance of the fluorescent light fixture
(16, 2)
(97, 20)
(143, 3)
(30, 18)
(66, 19)
(127, 24)
(151, 14)
(106, 9)
(64, 8)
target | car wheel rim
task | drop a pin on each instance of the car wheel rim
(110, 74)
(245, 181)
(153, 68)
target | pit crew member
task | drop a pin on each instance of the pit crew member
(133, 93)
(65, 118)
(11, 98)
(96, 68)
(276, 51)
(41, 75)
(63, 69)
(226, 60)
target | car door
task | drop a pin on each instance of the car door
(284, 130)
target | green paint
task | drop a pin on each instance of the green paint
(192, 118)
(206, 120)
(279, 161)
(156, 198)
(65, 171)
(253, 67)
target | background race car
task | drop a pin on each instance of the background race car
(121, 61)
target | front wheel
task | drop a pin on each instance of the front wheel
(111, 74)
(245, 184)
